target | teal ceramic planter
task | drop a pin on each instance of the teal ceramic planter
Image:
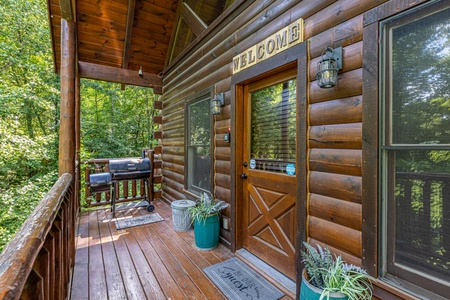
(310, 292)
(206, 233)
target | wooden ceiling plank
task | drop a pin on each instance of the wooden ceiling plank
(193, 21)
(156, 59)
(96, 48)
(150, 34)
(98, 56)
(157, 8)
(102, 11)
(114, 37)
(105, 8)
(111, 74)
(101, 42)
(85, 20)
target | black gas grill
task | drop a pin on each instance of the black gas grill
(121, 170)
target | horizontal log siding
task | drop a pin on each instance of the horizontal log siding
(335, 136)
(209, 65)
(335, 133)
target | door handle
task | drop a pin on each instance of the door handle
(244, 176)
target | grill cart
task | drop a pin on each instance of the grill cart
(130, 169)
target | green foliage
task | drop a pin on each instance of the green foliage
(18, 202)
(115, 122)
(334, 275)
(205, 207)
(317, 261)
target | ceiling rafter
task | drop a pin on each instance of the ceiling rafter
(128, 32)
(191, 18)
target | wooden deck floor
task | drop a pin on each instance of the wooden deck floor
(143, 262)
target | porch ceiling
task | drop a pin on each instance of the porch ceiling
(115, 38)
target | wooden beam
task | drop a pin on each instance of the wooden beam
(68, 10)
(66, 160)
(128, 32)
(193, 21)
(98, 72)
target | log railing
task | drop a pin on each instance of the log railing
(37, 261)
(127, 190)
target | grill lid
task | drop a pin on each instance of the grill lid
(129, 165)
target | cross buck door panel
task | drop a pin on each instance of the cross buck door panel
(269, 185)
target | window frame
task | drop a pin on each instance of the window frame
(388, 148)
(373, 160)
(204, 95)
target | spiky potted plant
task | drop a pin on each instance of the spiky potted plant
(328, 277)
(205, 216)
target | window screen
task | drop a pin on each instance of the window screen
(199, 146)
(416, 148)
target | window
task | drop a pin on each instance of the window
(198, 145)
(415, 149)
(273, 124)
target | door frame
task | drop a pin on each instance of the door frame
(295, 56)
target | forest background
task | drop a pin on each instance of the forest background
(114, 122)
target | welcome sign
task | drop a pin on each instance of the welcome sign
(274, 44)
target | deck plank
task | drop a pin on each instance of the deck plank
(219, 254)
(129, 274)
(147, 278)
(177, 271)
(97, 279)
(144, 262)
(113, 274)
(81, 267)
(168, 284)
(200, 279)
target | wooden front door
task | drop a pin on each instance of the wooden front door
(268, 172)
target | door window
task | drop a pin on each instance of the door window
(273, 120)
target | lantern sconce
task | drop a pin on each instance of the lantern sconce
(216, 103)
(328, 67)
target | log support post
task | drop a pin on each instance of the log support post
(69, 132)
(66, 159)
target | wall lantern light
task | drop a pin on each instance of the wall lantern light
(216, 103)
(328, 67)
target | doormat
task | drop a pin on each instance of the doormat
(239, 282)
(136, 221)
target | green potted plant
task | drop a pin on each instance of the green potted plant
(205, 216)
(326, 277)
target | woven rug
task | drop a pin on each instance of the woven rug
(136, 221)
(239, 282)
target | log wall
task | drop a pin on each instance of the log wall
(334, 183)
